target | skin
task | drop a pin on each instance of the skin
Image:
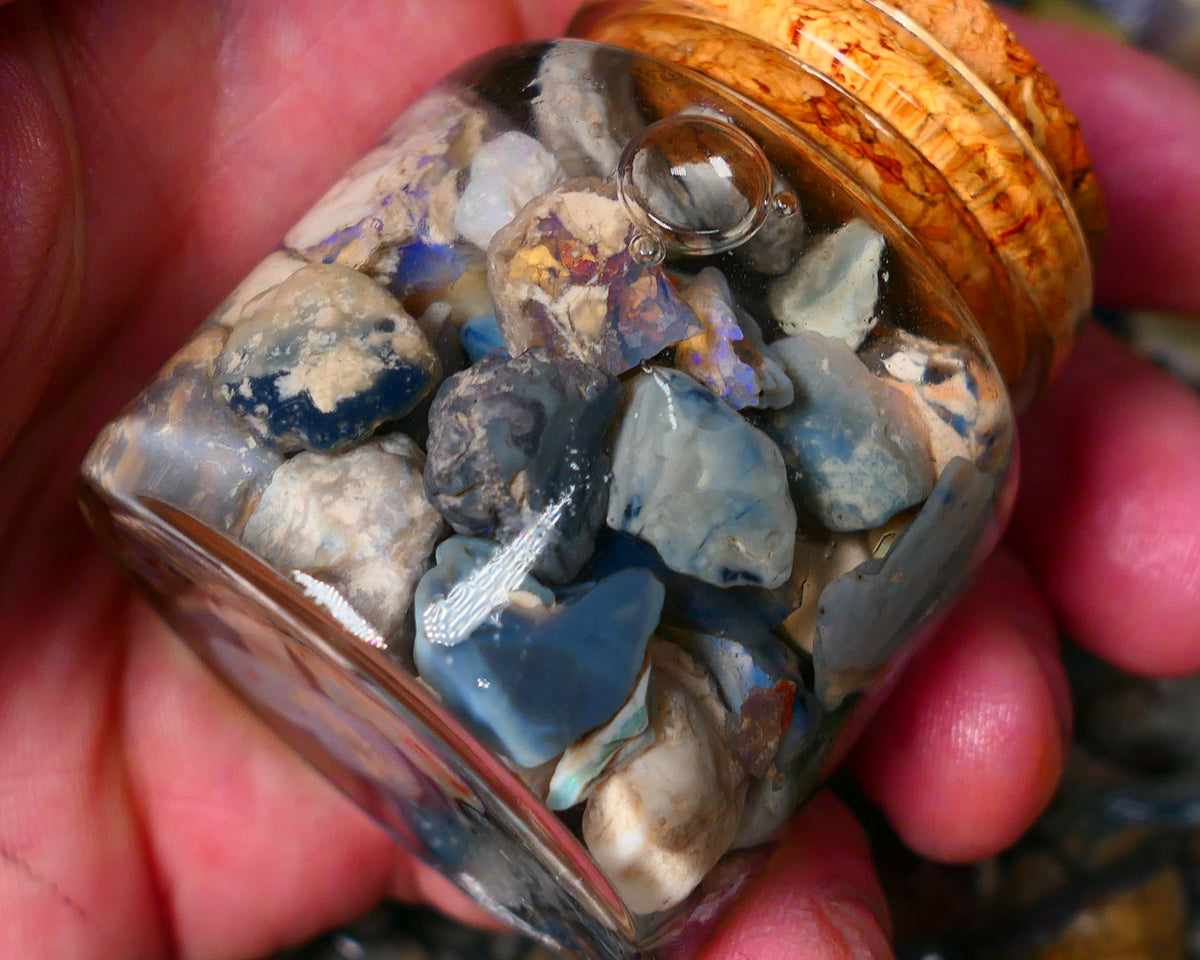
(150, 153)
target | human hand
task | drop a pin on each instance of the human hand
(150, 156)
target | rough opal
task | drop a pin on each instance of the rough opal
(624, 736)
(564, 278)
(509, 437)
(728, 356)
(323, 359)
(357, 520)
(832, 289)
(855, 450)
(529, 673)
(708, 490)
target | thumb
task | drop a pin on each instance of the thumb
(818, 897)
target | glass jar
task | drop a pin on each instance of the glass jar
(584, 465)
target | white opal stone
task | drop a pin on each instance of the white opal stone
(404, 189)
(660, 823)
(832, 289)
(358, 521)
(506, 173)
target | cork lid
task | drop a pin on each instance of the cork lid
(1002, 195)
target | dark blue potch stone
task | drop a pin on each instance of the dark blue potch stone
(690, 603)
(421, 265)
(299, 419)
(533, 676)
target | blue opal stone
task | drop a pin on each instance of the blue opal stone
(728, 356)
(856, 453)
(420, 265)
(528, 674)
(480, 336)
(705, 487)
(323, 359)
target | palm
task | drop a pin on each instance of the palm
(166, 821)
(141, 812)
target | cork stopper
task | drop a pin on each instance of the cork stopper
(941, 114)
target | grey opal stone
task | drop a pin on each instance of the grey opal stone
(856, 452)
(776, 244)
(358, 521)
(531, 675)
(323, 359)
(707, 489)
(865, 615)
(834, 286)
(508, 438)
(585, 110)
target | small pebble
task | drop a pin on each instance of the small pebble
(178, 444)
(620, 740)
(729, 356)
(960, 401)
(480, 336)
(563, 277)
(357, 520)
(509, 437)
(506, 173)
(403, 191)
(774, 247)
(658, 825)
(702, 485)
(769, 721)
(585, 109)
(530, 675)
(833, 288)
(323, 359)
(856, 452)
(865, 615)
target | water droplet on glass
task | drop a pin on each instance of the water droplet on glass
(785, 204)
(698, 184)
(647, 249)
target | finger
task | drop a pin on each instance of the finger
(1140, 119)
(1108, 516)
(817, 899)
(968, 751)
(250, 849)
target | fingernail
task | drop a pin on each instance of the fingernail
(860, 930)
